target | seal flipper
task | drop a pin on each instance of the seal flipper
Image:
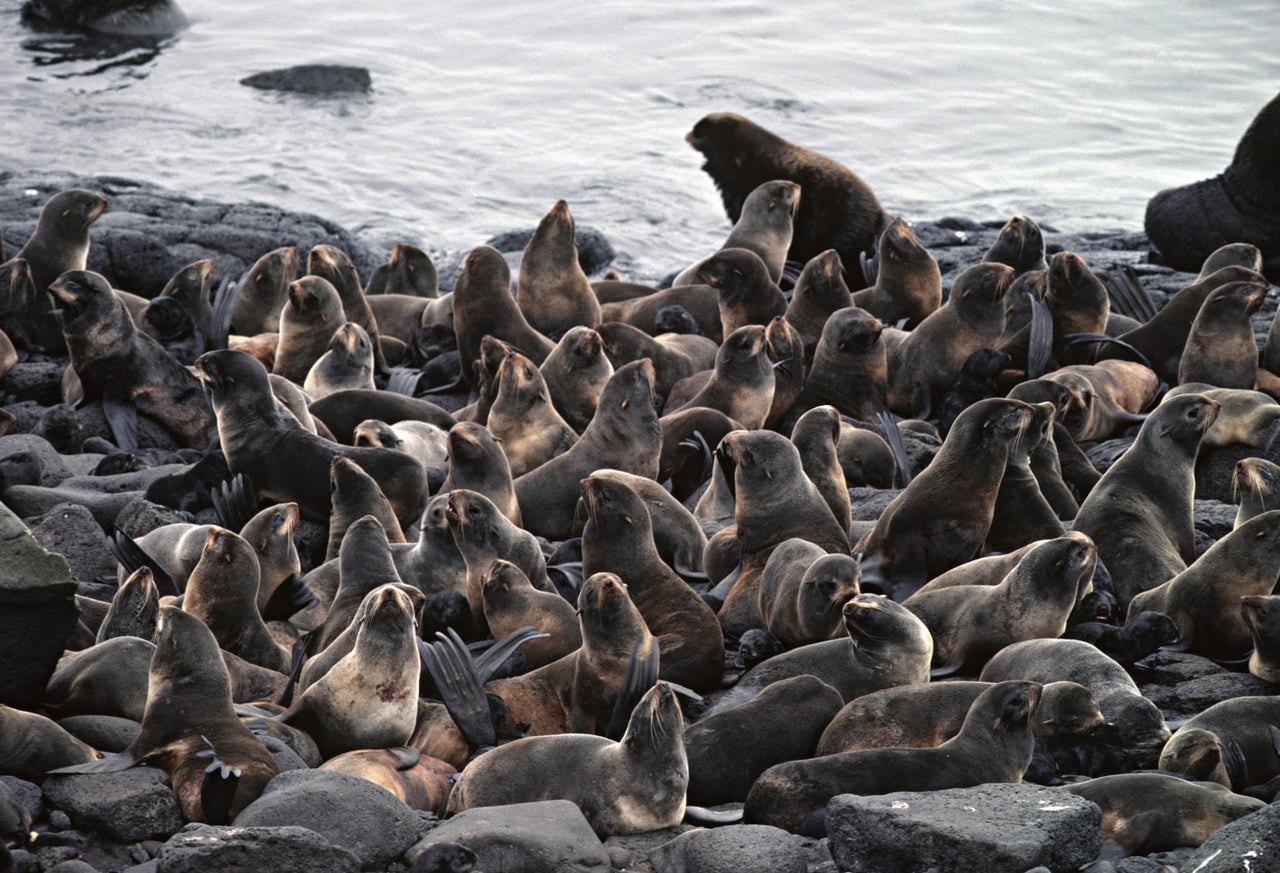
(460, 687)
(455, 386)
(870, 264)
(131, 556)
(893, 437)
(235, 502)
(571, 574)
(122, 418)
(224, 303)
(290, 597)
(951, 668)
(1237, 765)
(404, 380)
(725, 585)
(700, 815)
(406, 757)
(1127, 294)
(110, 762)
(298, 656)
(1077, 338)
(641, 675)
(1040, 344)
(496, 655)
(218, 788)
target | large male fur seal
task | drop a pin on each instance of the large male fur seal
(837, 209)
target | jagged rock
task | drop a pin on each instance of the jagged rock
(998, 828)
(868, 503)
(72, 531)
(524, 838)
(140, 517)
(131, 805)
(28, 793)
(1247, 845)
(732, 849)
(200, 848)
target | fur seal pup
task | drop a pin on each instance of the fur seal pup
(121, 366)
(618, 538)
(60, 243)
(1262, 615)
(817, 438)
(1143, 635)
(746, 294)
(478, 463)
(837, 209)
(511, 602)
(189, 725)
(1140, 512)
(1220, 348)
(1186, 223)
(1144, 813)
(920, 534)
(25, 315)
(577, 692)
(1102, 398)
(994, 745)
(885, 646)
(803, 590)
(970, 623)
(482, 305)
(908, 281)
(742, 384)
(264, 291)
(623, 435)
(311, 314)
(786, 352)
(635, 785)
(576, 372)
(930, 358)
(332, 263)
(1235, 743)
(552, 291)
(674, 356)
(419, 781)
(1133, 722)
(819, 292)
(31, 745)
(280, 457)
(523, 419)
(728, 751)
(1020, 244)
(676, 533)
(764, 227)
(168, 323)
(1204, 599)
(346, 364)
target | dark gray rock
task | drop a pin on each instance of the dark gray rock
(994, 828)
(35, 502)
(140, 517)
(200, 848)
(868, 503)
(15, 817)
(286, 758)
(1247, 845)
(37, 612)
(312, 79)
(1196, 695)
(351, 812)
(1171, 668)
(24, 861)
(1160, 862)
(28, 793)
(524, 838)
(732, 849)
(1213, 521)
(595, 252)
(56, 467)
(637, 847)
(106, 733)
(131, 805)
(72, 531)
(40, 381)
(73, 866)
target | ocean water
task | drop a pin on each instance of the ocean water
(481, 115)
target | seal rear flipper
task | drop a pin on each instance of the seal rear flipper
(893, 437)
(404, 380)
(700, 815)
(571, 575)
(298, 656)
(1040, 344)
(224, 303)
(456, 385)
(406, 757)
(496, 655)
(461, 688)
(1237, 766)
(110, 762)
(218, 788)
(235, 502)
(1127, 294)
(951, 668)
(641, 675)
(725, 585)
(122, 418)
(131, 556)
(292, 596)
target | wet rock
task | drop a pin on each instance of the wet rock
(351, 812)
(312, 79)
(72, 531)
(200, 848)
(106, 733)
(1247, 845)
(732, 849)
(994, 828)
(73, 866)
(524, 838)
(37, 612)
(127, 806)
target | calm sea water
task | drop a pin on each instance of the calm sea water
(483, 114)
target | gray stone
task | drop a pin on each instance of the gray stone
(638, 846)
(56, 467)
(37, 612)
(72, 531)
(106, 733)
(551, 835)
(26, 792)
(868, 503)
(1197, 695)
(998, 828)
(200, 848)
(131, 805)
(349, 811)
(286, 758)
(73, 866)
(140, 517)
(1170, 668)
(1213, 520)
(33, 501)
(312, 79)
(1247, 845)
(15, 819)
(732, 849)
(24, 862)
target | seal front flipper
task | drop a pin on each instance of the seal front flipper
(571, 574)
(1040, 344)
(218, 788)
(298, 656)
(893, 437)
(122, 418)
(290, 597)
(1127, 294)
(406, 757)
(404, 380)
(641, 675)
(460, 687)
(1073, 339)
(496, 655)
(131, 556)
(224, 302)
(110, 762)
(235, 502)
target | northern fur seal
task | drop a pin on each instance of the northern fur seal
(994, 745)
(765, 227)
(1020, 244)
(576, 372)
(637, 784)
(552, 291)
(1244, 416)
(332, 263)
(523, 419)
(264, 291)
(1247, 726)
(837, 209)
(1220, 348)
(408, 272)
(347, 363)
(311, 313)
(284, 461)
(511, 602)
(482, 304)
(742, 384)
(1262, 615)
(61, 239)
(803, 590)
(908, 281)
(850, 369)
(477, 463)
(1256, 487)
(745, 293)
(819, 292)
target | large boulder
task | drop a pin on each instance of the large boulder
(999, 828)
(200, 848)
(732, 849)
(1247, 845)
(128, 806)
(551, 835)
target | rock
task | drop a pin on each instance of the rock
(1182, 684)
(637, 847)
(524, 838)
(15, 818)
(312, 79)
(56, 467)
(33, 501)
(200, 848)
(1160, 862)
(106, 733)
(24, 862)
(1213, 520)
(349, 811)
(1170, 668)
(72, 531)
(140, 517)
(40, 381)
(131, 805)
(732, 849)
(868, 503)
(998, 828)
(74, 866)
(26, 792)
(1247, 845)
(286, 758)
(37, 612)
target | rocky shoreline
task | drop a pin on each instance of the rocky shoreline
(130, 820)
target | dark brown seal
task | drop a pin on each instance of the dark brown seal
(819, 292)
(482, 304)
(311, 314)
(576, 372)
(765, 227)
(908, 281)
(552, 291)
(1220, 348)
(742, 384)
(849, 368)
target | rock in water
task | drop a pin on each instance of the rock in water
(312, 79)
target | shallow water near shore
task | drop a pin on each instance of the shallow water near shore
(482, 115)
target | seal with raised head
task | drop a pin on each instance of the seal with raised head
(1220, 348)
(803, 590)
(837, 209)
(576, 372)
(477, 463)
(1020, 244)
(61, 239)
(523, 419)
(764, 227)
(264, 291)
(346, 364)
(820, 291)
(908, 281)
(482, 304)
(311, 314)
(552, 291)
(742, 384)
